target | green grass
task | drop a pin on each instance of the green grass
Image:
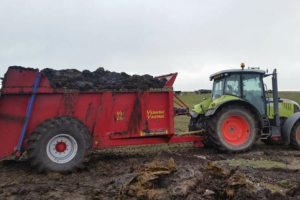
(295, 96)
(182, 122)
(272, 187)
(193, 99)
(254, 163)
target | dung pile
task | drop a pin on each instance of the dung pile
(141, 185)
(100, 79)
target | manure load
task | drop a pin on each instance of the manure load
(100, 79)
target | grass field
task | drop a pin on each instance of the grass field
(191, 99)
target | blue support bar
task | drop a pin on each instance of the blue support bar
(29, 109)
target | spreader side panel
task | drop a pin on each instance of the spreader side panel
(129, 115)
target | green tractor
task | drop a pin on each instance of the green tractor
(240, 112)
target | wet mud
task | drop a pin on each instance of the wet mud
(178, 171)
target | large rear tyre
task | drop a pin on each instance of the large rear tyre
(61, 145)
(197, 124)
(295, 136)
(233, 129)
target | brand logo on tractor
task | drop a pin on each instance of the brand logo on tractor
(120, 116)
(155, 114)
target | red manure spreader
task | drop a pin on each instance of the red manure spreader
(59, 128)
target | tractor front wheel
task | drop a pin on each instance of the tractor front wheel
(61, 145)
(233, 129)
(197, 124)
(295, 136)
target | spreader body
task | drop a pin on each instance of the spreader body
(113, 118)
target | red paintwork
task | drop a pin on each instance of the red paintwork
(299, 135)
(181, 104)
(60, 147)
(170, 77)
(198, 144)
(277, 138)
(235, 130)
(114, 118)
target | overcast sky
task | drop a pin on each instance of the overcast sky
(192, 37)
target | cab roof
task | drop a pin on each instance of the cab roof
(232, 71)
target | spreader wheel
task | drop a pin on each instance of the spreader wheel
(61, 145)
(233, 129)
(295, 136)
(62, 148)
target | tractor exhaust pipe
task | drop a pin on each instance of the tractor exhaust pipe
(275, 98)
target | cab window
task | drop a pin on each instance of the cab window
(218, 89)
(232, 85)
(253, 91)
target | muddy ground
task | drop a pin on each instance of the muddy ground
(178, 171)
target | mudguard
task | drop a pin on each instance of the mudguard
(240, 102)
(287, 127)
(213, 111)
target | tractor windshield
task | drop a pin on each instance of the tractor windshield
(227, 86)
(218, 89)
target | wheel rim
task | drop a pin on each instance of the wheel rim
(235, 130)
(62, 148)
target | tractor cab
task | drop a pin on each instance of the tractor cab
(240, 84)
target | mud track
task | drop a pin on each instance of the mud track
(177, 171)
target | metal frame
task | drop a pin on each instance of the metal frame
(36, 84)
(182, 106)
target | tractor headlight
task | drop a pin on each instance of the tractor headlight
(194, 114)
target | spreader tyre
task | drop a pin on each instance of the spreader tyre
(295, 136)
(61, 145)
(233, 129)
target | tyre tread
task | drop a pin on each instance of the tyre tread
(294, 135)
(212, 129)
(36, 136)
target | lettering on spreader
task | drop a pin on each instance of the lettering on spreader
(155, 114)
(120, 116)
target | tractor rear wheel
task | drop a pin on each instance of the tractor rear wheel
(295, 136)
(61, 145)
(233, 129)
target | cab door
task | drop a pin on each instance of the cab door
(253, 91)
